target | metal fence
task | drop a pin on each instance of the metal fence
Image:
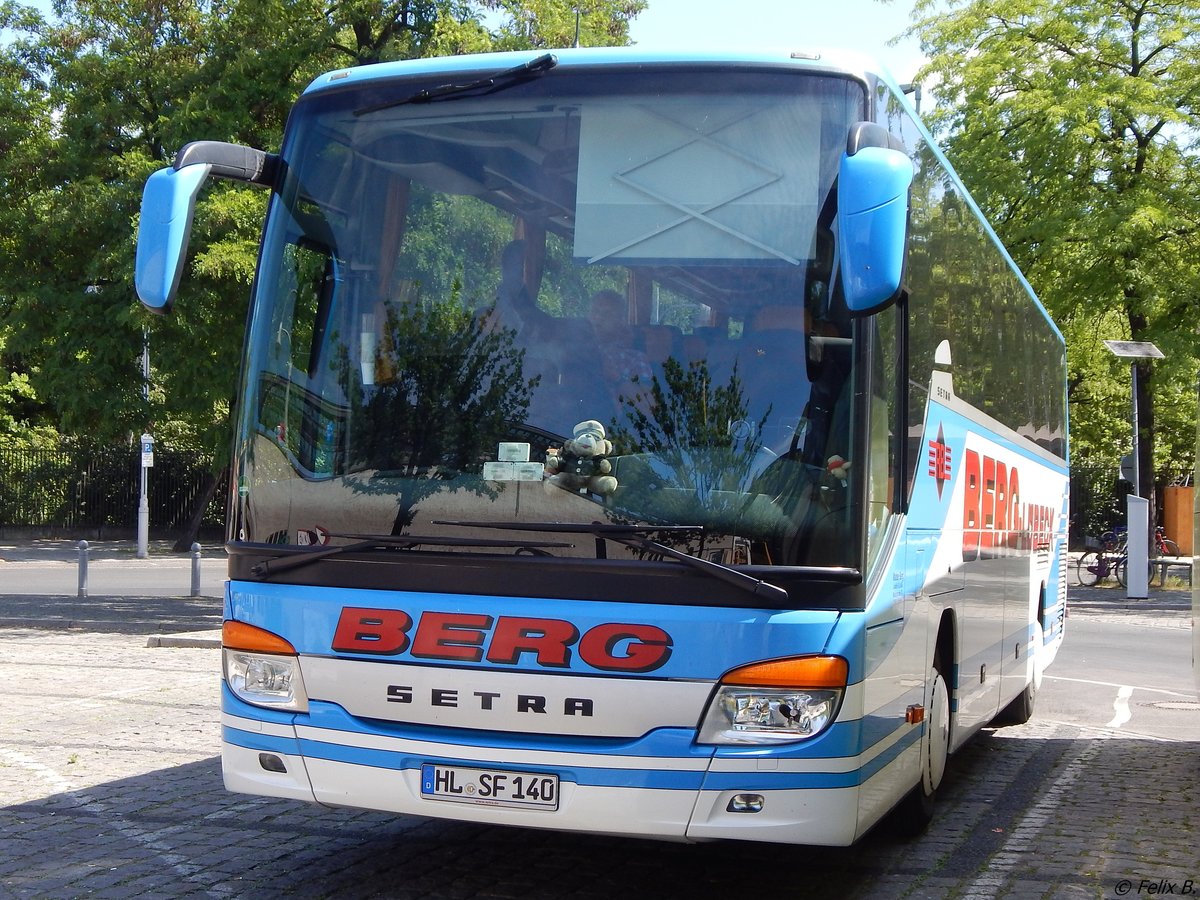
(96, 488)
(1097, 502)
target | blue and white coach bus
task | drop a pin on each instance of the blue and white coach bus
(629, 443)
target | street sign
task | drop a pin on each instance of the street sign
(147, 451)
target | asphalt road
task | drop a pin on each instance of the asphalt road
(1126, 669)
(51, 568)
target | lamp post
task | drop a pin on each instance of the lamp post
(1137, 509)
(147, 446)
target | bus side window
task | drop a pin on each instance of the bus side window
(882, 422)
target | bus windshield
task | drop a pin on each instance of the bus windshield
(590, 297)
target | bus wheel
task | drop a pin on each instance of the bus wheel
(1020, 710)
(915, 811)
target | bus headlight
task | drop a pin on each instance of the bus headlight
(776, 701)
(259, 668)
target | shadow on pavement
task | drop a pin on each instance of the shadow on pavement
(122, 615)
(1097, 813)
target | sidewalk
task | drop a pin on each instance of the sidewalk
(168, 616)
(185, 621)
(67, 550)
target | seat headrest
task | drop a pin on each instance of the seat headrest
(780, 318)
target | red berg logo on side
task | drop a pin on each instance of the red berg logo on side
(995, 520)
(464, 637)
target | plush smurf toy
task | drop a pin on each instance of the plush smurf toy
(582, 463)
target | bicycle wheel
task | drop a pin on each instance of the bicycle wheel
(1087, 568)
(1168, 547)
(1121, 573)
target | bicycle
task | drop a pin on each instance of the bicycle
(1161, 548)
(1112, 558)
(1163, 545)
(1102, 562)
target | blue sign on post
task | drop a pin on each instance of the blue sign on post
(147, 451)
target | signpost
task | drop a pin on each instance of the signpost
(147, 455)
(144, 503)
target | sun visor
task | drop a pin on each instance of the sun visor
(699, 180)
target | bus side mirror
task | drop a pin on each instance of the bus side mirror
(872, 225)
(168, 204)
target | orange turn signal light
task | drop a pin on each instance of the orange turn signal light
(240, 636)
(794, 672)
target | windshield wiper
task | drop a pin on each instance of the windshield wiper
(378, 541)
(635, 536)
(489, 85)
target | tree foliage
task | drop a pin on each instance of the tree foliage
(1075, 126)
(104, 92)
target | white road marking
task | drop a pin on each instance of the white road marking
(1121, 713)
(1114, 684)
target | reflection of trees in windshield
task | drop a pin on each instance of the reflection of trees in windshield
(962, 290)
(447, 390)
(694, 439)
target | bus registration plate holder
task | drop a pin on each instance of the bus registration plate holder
(489, 787)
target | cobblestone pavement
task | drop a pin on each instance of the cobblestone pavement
(110, 786)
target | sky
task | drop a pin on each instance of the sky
(865, 26)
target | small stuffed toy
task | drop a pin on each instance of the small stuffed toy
(838, 468)
(582, 464)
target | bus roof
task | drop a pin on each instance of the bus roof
(842, 61)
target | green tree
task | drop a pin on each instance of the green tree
(452, 390)
(106, 92)
(1073, 124)
(684, 419)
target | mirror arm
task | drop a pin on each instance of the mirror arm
(872, 134)
(231, 161)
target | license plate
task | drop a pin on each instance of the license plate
(489, 787)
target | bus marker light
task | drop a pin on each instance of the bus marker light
(745, 803)
(797, 672)
(272, 763)
(915, 714)
(240, 636)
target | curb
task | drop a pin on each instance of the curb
(188, 639)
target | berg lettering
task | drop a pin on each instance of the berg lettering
(502, 641)
(995, 521)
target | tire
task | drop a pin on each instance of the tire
(1087, 576)
(1169, 548)
(914, 813)
(1020, 710)
(1123, 563)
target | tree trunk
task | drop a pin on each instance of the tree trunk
(199, 505)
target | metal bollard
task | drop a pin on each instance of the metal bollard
(195, 569)
(83, 563)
